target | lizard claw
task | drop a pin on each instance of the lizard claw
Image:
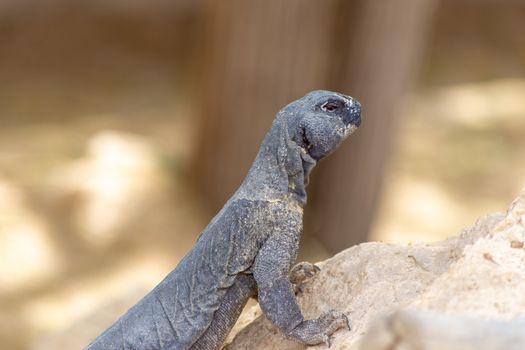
(347, 322)
(302, 272)
(320, 330)
(327, 341)
(313, 270)
(298, 289)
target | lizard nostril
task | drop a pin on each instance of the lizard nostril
(352, 117)
(353, 114)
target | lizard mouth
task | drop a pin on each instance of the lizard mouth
(306, 145)
(305, 148)
(347, 130)
(308, 165)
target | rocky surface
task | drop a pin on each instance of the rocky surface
(424, 330)
(475, 281)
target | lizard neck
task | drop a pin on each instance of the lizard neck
(281, 167)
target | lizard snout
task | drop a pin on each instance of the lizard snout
(353, 114)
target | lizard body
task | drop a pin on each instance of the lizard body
(248, 248)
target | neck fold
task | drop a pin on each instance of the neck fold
(281, 167)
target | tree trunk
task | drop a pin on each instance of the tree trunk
(261, 54)
(383, 49)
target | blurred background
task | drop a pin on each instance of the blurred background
(125, 125)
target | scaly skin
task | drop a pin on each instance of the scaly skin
(248, 249)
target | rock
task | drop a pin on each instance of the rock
(411, 329)
(475, 281)
(489, 279)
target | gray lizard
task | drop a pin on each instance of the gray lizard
(248, 248)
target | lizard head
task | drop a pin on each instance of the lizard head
(320, 121)
(302, 133)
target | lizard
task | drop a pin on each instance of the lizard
(249, 247)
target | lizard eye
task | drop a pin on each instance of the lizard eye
(330, 106)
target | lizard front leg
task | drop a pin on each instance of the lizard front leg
(276, 294)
